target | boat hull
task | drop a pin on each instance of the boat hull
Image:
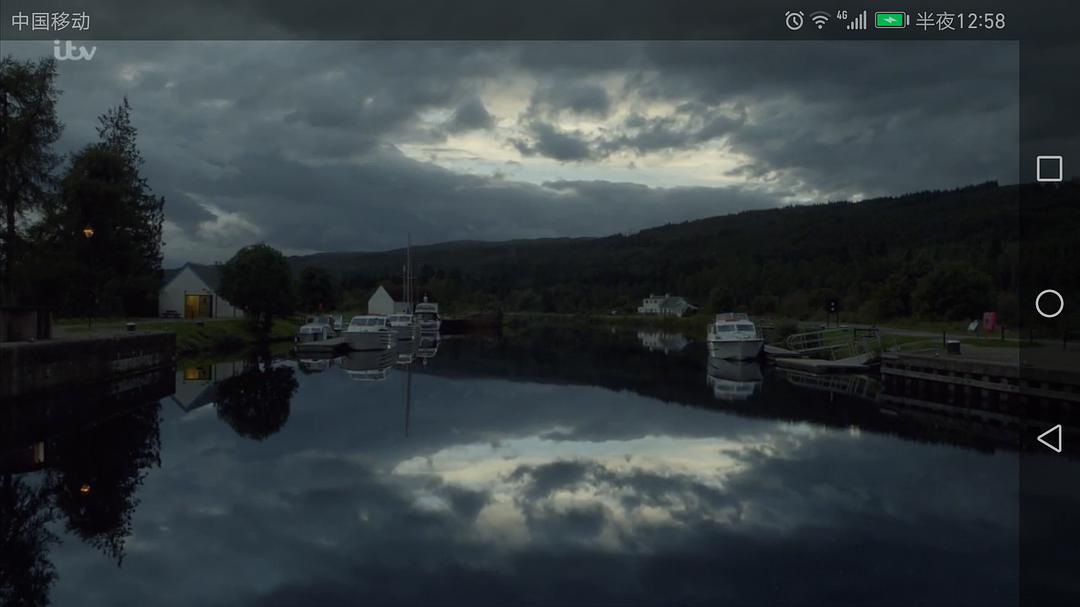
(744, 349)
(375, 340)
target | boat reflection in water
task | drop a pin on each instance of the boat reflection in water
(551, 446)
(317, 362)
(369, 365)
(427, 347)
(733, 380)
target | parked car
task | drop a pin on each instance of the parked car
(170, 314)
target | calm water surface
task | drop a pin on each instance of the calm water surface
(552, 467)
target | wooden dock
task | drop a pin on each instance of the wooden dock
(852, 364)
(991, 371)
(773, 351)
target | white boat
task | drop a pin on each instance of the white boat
(339, 323)
(315, 328)
(403, 325)
(733, 336)
(427, 316)
(369, 332)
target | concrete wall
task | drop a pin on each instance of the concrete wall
(43, 366)
(187, 282)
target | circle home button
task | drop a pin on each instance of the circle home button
(1046, 299)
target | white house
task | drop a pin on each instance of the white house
(665, 305)
(191, 291)
(382, 303)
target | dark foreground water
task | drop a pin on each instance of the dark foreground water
(549, 468)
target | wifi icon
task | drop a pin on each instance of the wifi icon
(819, 18)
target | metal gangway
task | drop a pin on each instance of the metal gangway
(839, 343)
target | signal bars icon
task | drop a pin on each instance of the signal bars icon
(858, 23)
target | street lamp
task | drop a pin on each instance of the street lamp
(88, 232)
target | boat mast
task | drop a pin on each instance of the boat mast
(408, 275)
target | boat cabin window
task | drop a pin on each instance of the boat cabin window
(746, 327)
(726, 328)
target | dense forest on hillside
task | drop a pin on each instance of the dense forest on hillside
(940, 255)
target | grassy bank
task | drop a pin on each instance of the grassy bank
(776, 327)
(192, 338)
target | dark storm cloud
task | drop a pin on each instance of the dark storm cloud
(469, 116)
(387, 195)
(552, 142)
(691, 125)
(577, 97)
(299, 143)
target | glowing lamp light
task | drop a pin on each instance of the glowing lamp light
(88, 231)
(84, 489)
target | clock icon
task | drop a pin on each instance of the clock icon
(793, 20)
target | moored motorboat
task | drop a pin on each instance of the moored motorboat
(369, 332)
(404, 325)
(315, 328)
(734, 336)
(427, 316)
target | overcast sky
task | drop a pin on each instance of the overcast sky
(330, 146)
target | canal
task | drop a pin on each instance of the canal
(551, 466)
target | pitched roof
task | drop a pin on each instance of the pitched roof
(168, 275)
(207, 273)
(394, 291)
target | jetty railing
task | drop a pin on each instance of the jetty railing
(836, 343)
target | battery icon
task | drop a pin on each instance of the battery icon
(890, 20)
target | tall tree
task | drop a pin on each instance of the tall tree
(258, 281)
(316, 290)
(28, 128)
(147, 211)
(119, 258)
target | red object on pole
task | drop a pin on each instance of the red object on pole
(989, 321)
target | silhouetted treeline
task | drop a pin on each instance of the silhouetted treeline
(935, 255)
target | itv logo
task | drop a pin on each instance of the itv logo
(70, 52)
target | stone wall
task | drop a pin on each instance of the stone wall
(31, 367)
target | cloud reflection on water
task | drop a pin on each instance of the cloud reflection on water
(513, 492)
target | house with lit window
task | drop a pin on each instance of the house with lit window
(665, 305)
(191, 292)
